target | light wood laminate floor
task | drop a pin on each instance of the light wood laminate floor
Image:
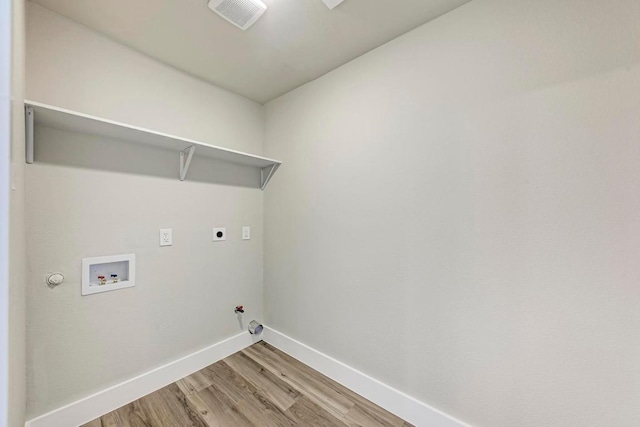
(258, 386)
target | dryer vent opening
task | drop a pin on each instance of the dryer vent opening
(255, 328)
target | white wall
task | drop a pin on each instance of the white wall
(17, 267)
(458, 214)
(87, 196)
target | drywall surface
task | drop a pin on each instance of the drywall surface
(17, 230)
(459, 213)
(88, 196)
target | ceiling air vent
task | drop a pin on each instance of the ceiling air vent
(241, 13)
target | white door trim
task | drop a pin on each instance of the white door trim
(5, 163)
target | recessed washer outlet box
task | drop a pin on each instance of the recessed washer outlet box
(241, 13)
(108, 273)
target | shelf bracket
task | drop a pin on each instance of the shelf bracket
(184, 164)
(266, 174)
(28, 121)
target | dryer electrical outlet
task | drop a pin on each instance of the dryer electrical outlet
(219, 234)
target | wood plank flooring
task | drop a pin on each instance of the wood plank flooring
(258, 386)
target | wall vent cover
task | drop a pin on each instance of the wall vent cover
(241, 13)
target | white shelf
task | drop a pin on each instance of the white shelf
(60, 118)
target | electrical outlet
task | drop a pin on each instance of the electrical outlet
(246, 233)
(166, 237)
(219, 234)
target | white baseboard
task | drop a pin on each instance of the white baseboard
(394, 401)
(98, 404)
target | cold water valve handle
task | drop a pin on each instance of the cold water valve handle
(239, 309)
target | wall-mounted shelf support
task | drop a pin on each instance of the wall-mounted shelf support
(28, 121)
(184, 164)
(266, 174)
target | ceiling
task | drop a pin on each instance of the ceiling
(294, 42)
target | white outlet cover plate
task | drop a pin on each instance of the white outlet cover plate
(166, 237)
(246, 233)
(217, 230)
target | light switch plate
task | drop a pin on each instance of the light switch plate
(166, 237)
(219, 234)
(246, 233)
